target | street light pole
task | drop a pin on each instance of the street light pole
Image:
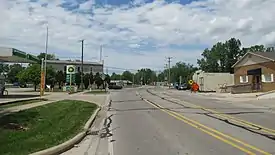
(46, 53)
(82, 72)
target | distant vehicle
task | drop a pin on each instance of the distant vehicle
(22, 85)
(176, 85)
(183, 87)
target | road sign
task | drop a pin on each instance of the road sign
(70, 77)
(70, 69)
(190, 82)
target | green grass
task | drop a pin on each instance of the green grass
(18, 103)
(46, 126)
(96, 92)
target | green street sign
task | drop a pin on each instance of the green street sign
(68, 76)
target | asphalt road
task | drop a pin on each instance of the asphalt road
(159, 127)
(253, 113)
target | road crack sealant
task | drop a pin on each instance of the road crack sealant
(103, 132)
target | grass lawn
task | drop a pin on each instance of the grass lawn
(96, 92)
(43, 127)
(2, 106)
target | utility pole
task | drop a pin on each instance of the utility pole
(133, 81)
(169, 74)
(100, 53)
(82, 72)
(45, 58)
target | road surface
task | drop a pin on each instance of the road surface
(139, 123)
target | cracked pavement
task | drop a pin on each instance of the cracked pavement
(129, 125)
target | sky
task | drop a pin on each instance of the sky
(134, 33)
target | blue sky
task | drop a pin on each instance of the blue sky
(134, 33)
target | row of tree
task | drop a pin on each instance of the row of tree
(142, 76)
(148, 76)
(221, 56)
(32, 74)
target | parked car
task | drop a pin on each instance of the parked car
(183, 87)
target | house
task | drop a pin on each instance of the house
(254, 72)
(88, 67)
(212, 82)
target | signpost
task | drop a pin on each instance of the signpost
(104, 82)
(42, 79)
(70, 75)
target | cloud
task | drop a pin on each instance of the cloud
(136, 34)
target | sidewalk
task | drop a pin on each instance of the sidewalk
(236, 99)
(52, 97)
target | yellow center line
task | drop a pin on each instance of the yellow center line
(243, 122)
(199, 125)
(204, 130)
(222, 134)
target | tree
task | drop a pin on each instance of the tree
(4, 68)
(49, 56)
(180, 69)
(115, 76)
(145, 76)
(86, 80)
(60, 78)
(257, 48)
(91, 78)
(13, 71)
(126, 75)
(98, 80)
(107, 78)
(50, 75)
(222, 56)
(78, 79)
(31, 74)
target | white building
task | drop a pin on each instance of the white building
(87, 66)
(212, 81)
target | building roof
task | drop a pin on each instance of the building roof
(266, 55)
(14, 55)
(73, 62)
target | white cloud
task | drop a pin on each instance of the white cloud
(124, 30)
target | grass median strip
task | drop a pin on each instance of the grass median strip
(18, 103)
(97, 92)
(43, 127)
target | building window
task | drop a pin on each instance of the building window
(243, 79)
(65, 67)
(267, 78)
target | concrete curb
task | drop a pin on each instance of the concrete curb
(55, 150)
(266, 93)
(22, 100)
